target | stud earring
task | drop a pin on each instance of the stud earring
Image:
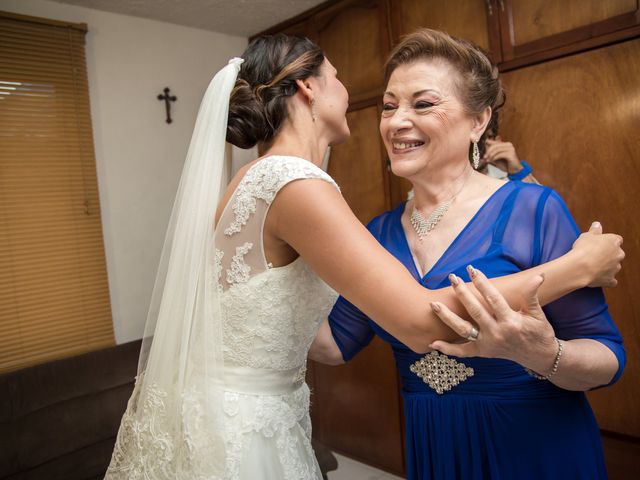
(476, 156)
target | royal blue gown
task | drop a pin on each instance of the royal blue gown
(500, 423)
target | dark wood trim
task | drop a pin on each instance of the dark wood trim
(82, 27)
(395, 24)
(505, 27)
(390, 14)
(493, 29)
(577, 35)
(554, 53)
(620, 436)
(365, 99)
(385, 28)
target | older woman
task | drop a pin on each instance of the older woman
(509, 402)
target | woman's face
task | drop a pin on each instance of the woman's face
(331, 103)
(424, 123)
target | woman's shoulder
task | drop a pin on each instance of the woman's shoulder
(534, 193)
(538, 202)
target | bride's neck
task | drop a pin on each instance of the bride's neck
(299, 140)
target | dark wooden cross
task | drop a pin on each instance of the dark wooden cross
(167, 98)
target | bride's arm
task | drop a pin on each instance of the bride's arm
(313, 218)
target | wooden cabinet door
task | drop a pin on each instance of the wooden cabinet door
(474, 20)
(537, 28)
(576, 120)
(354, 36)
(356, 407)
(358, 165)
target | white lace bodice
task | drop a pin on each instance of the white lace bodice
(271, 315)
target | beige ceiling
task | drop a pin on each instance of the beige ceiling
(235, 17)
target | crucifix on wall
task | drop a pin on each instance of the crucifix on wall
(167, 102)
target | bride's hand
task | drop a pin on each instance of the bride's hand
(603, 255)
(525, 337)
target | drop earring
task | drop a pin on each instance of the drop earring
(312, 104)
(476, 156)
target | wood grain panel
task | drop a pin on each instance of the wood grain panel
(576, 120)
(358, 166)
(461, 18)
(352, 35)
(621, 457)
(536, 19)
(356, 408)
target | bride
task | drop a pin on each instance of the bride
(245, 281)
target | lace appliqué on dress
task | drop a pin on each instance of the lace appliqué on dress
(143, 449)
(239, 271)
(153, 444)
(283, 418)
(264, 180)
(219, 254)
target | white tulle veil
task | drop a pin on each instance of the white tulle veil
(173, 423)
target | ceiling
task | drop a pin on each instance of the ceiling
(235, 17)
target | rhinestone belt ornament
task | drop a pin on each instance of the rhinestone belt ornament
(441, 372)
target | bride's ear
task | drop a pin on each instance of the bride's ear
(306, 89)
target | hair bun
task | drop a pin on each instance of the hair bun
(247, 124)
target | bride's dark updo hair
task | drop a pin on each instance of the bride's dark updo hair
(258, 103)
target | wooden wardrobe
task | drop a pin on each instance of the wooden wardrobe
(571, 70)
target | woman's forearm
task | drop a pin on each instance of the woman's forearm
(584, 364)
(562, 276)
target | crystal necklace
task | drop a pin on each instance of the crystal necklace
(422, 225)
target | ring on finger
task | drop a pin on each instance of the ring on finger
(473, 335)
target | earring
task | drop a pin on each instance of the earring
(476, 156)
(312, 104)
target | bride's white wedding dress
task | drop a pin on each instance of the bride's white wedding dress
(270, 317)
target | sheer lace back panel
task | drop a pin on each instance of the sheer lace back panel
(271, 314)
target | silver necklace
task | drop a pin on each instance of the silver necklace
(422, 225)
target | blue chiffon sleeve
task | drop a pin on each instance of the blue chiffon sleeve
(350, 328)
(583, 313)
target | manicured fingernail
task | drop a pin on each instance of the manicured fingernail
(596, 225)
(472, 271)
(435, 307)
(455, 281)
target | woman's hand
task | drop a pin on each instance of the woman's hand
(602, 255)
(525, 336)
(502, 155)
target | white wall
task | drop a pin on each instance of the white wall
(139, 157)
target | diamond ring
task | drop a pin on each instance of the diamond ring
(473, 335)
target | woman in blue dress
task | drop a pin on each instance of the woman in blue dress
(509, 402)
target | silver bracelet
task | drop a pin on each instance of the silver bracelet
(554, 369)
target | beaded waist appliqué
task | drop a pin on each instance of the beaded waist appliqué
(441, 372)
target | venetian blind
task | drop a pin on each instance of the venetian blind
(54, 297)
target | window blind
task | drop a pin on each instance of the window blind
(54, 296)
